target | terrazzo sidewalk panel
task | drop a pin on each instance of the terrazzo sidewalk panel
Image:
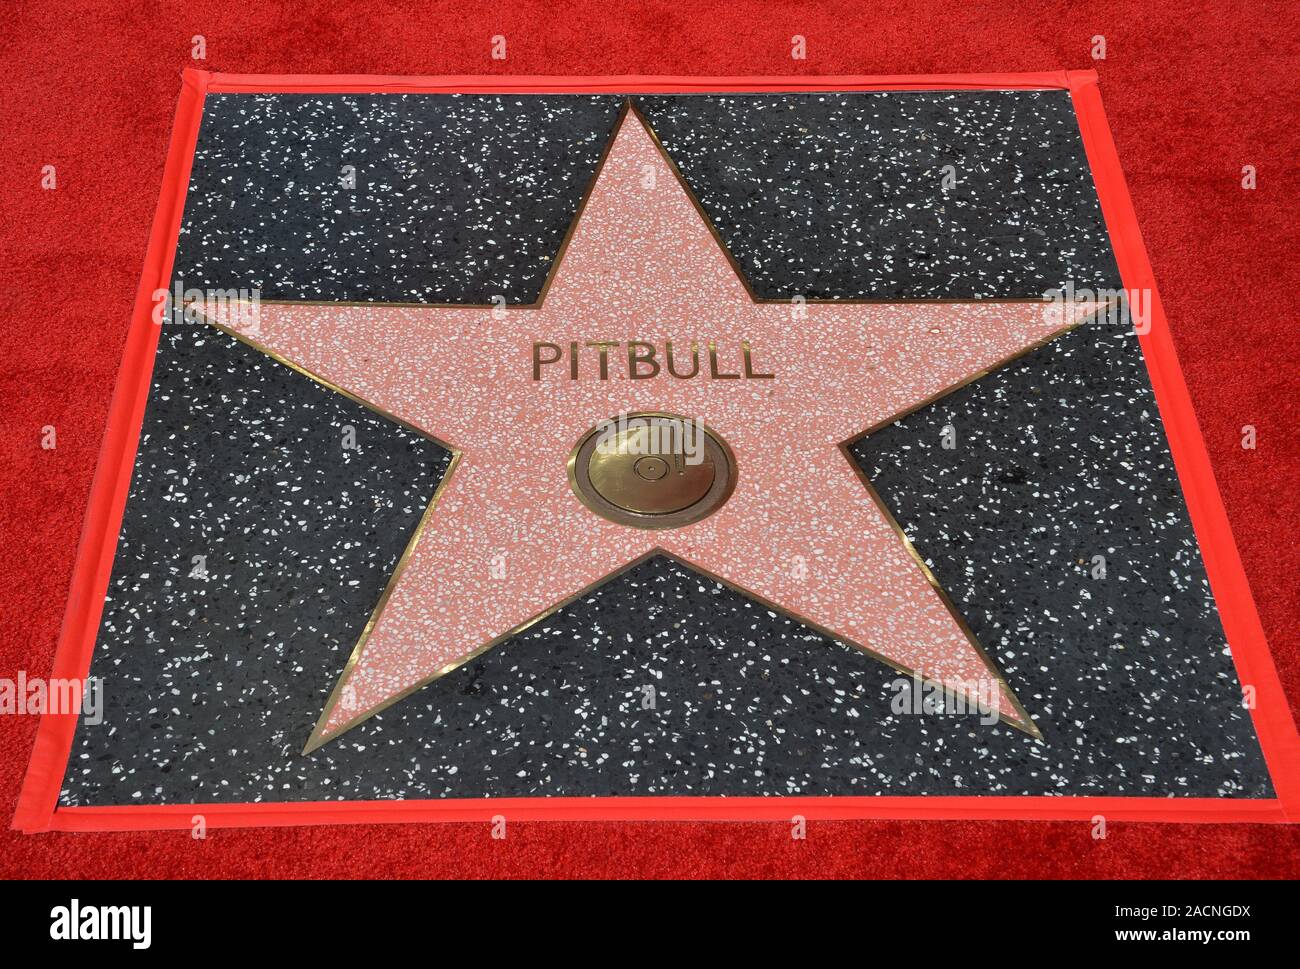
(345, 574)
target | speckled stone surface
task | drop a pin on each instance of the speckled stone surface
(241, 461)
(212, 687)
(455, 198)
(1060, 457)
(466, 198)
(843, 195)
(744, 702)
(1128, 675)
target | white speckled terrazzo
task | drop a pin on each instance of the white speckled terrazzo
(661, 681)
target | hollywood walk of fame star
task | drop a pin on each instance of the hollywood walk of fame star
(506, 541)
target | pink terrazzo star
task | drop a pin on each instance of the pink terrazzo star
(508, 541)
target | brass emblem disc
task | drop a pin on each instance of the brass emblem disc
(652, 470)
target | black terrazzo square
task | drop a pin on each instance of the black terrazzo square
(660, 682)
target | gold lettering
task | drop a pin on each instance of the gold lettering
(746, 350)
(603, 346)
(713, 365)
(695, 360)
(634, 360)
(644, 361)
(537, 357)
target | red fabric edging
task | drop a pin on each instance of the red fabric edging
(160, 817)
(108, 489)
(37, 805)
(1272, 715)
(680, 84)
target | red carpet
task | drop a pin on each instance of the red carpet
(1193, 94)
